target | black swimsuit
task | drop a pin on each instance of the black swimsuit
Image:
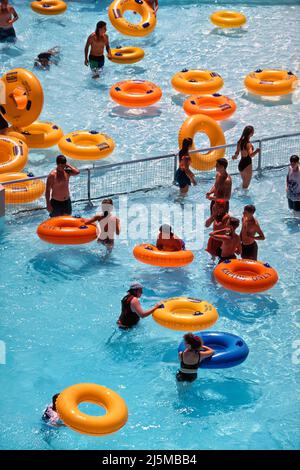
(244, 162)
(182, 376)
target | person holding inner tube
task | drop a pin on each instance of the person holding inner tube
(220, 219)
(97, 41)
(167, 241)
(246, 149)
(250, 227)
(231, 242)
(131, 308)
(8, 16)
(222, 185)
(293, 184)
(108, 225)
(57, 188)
(191, 358)
(51, 416)
(184, 177)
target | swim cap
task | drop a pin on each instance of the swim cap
(135, 285)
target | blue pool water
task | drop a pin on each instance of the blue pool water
(59, 307)
(59, 304)
(75, 101)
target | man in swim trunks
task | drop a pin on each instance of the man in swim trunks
(8, 16)
(231, 242)
(293, 184)
(45, 59)
(222, 186)
(250, 227)
(167, 241)
(131, 308)
(97, 41)
(57, 188)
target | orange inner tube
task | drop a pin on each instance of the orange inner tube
(149, 254)
(216, 106)
(66, 230)
(135, 93)
(246, 276)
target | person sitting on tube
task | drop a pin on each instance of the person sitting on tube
(167, 241)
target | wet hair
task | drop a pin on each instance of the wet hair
(294, 159)
(223, 162)
(192, 340)
(186, 144)
(166, 228)
(134, 291)
(245, 137)
(61, 160)
(250, 208)
(234, 222)
(54, 398)
(99, 25)
(109, 202)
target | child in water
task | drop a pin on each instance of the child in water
(45, 59)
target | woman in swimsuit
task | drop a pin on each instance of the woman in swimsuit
(191, 358)
(246, 149)
(108, 225)
(184, 176)
(220, 219)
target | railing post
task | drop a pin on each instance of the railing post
(2, 201)
(175, 167)
(89, 187)
(259, 165)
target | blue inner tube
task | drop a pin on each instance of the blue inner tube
(230, 350)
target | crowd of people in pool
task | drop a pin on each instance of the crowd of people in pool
(224, 241)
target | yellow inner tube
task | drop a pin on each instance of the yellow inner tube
(228, 19)
(86, 145)
(201, 123)
(40, 134)
(13, 154)
(147, 24)
(116, 410)
(197, 81)
(186, 314)
(23, 192)
(49, 7)
(271, 82)
(127, 55)
(24, 97)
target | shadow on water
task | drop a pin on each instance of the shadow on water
(135, 113)
(208, 397)
(41, 22)
(178, 99)
(9, 51)
(229, 32)
(292, 223)
(227, 124)
(66, 263)
(165, 283)
(246, 308)
(269, 101)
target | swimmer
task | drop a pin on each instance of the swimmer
(184, 177)
(222, 186)
(220, 219)
(167, 241)
(51, 416)
(107, 225)
(131, 308)
(97, 41)
(231, 242)
(45, 59)
(8, 16)
(246, 149)
(293, 184)
(250, 227)
(191, 358)
(57, 194)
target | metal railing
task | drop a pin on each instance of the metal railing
(149, 173)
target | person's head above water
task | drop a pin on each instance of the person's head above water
(186, 144)
(166, 231)
(107, 206)
(3, 4)
(43, 58)
(249, 210)
(100, 28)
(61, 160)
(247, 133)
(54, 398)
(135, 289)
(221, 165)
(194, 342)
(234, 222)
(294, 161)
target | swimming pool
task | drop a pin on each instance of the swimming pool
(59, 304)
(75, 101)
